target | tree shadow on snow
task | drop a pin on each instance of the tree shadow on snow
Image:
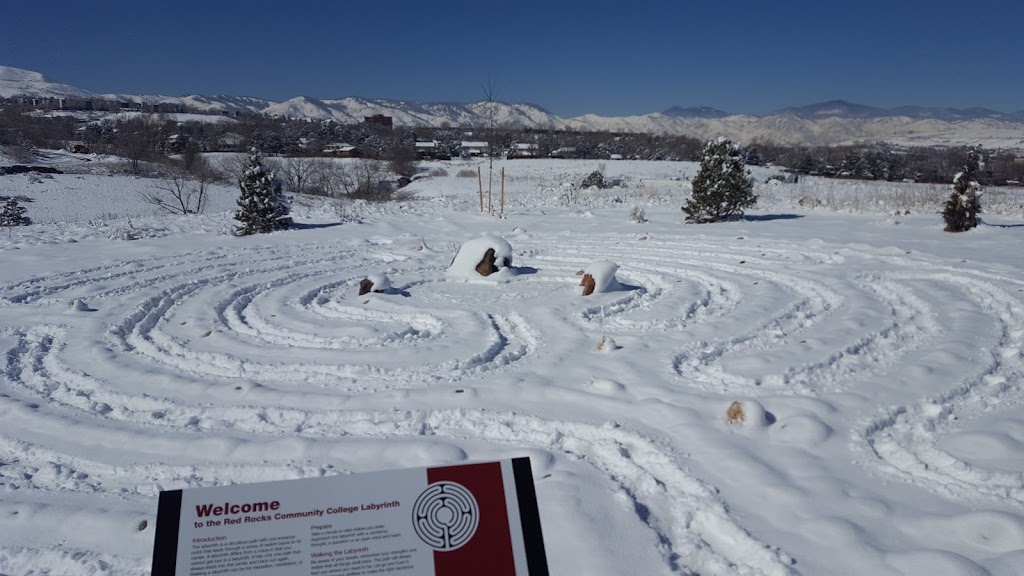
(299, 226)
(767, 217)
(1002, 225)
(396, 292)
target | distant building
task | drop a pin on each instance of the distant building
(426, 150)
(52, 103)
(230, 140)
(473, 148)
(565, 152)
(342, 150)
(77, 147)
(163, 107)
(378, 120)
(523, 150)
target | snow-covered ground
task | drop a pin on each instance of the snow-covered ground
(876, 359)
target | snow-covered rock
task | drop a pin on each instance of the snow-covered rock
(78, 305)
(747, 413)
(603, 276)
(472, 253)
(374, 283)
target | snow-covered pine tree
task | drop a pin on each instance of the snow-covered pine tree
(13, 214)
(261, 207)
(961, 210)
(722, 188)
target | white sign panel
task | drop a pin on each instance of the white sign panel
(454, 520)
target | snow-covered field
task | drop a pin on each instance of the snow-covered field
(877, 359)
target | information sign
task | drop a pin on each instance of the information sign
(453, 520)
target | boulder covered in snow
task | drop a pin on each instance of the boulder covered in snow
(484, 256)
(79, 305)
(374, 283)
(600, 277)
(748, 413)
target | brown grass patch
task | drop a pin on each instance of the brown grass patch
(735, 415)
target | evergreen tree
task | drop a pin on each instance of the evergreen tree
(722, 188)
(13, 214)
(261, 207)
(964, 204)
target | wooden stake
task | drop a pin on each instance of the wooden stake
(480, 186)
(502, 192)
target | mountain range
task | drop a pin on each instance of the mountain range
(827, 123)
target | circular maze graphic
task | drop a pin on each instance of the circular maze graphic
(445, 516)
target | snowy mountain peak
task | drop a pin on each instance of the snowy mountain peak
(826, 123)
(695, 112)
(19, 82)
(10, 74)
(835, 109)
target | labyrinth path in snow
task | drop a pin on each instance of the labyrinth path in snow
(206, 367)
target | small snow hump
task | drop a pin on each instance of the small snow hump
(749, 414)
(79, 305)
(606, 345)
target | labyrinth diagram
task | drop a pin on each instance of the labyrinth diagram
(445, 516)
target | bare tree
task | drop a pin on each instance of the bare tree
(192, 158)
(179, 194)
(402, 160)
(328, 178)
(366, 180)
(229, 166)
(297, 172)
(491, 114)
(134, 142)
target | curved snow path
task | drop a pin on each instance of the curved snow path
(904, 440)
(209, 325)
(210, 366)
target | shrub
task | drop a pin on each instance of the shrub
(13, 214)
(639, 215)
(594, 180)
(261, 207)
(964, 204)
(722, 188)
(466, 173)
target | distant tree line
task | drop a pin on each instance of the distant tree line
(153, 137)
(882, 161)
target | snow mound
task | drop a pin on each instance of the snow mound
(803, 430)
(381, 283)
(78, 305)
(748, 414)
(603, 274)
(605, 386)
(472, 253)
(606, 345)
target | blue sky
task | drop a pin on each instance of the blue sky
(571, 57)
